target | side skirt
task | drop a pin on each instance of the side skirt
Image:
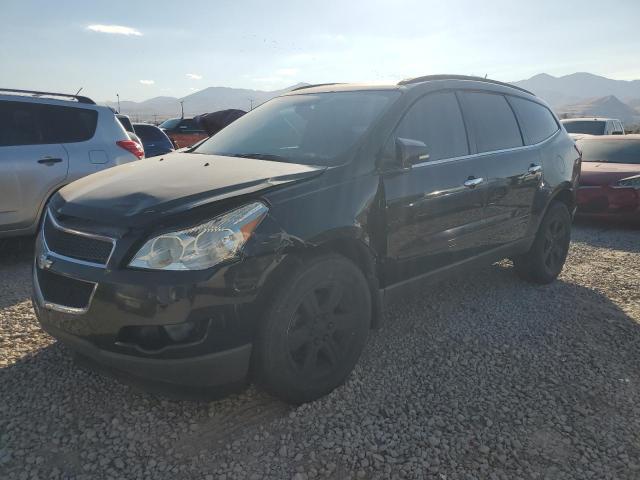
(414, 285)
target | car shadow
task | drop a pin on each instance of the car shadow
(15, 271)
(520, 351)
(16, 250)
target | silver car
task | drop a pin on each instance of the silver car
(46, 141)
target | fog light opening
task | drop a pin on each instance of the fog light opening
(157, 337)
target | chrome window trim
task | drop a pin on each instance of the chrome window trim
(482, 154)
(72, 231)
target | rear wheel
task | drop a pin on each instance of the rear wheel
(544, 261)
(314, 330)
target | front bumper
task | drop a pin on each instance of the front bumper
(115, 301)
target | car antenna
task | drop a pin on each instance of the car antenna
(79, 91)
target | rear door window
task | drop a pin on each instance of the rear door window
(19, 124)
(492, 121)
(437, 121)
(536, 121)
(68, 124)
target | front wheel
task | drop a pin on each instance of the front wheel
(314, 330)
(544, 261)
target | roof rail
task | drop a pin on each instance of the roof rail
(35, 93)
(315, 85)
(426, 78)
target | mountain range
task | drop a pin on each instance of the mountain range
(206, 100)
(577, 94)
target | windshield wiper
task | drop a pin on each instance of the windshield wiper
(260, 156)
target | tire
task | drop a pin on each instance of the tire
(314, 330)
(544, 261)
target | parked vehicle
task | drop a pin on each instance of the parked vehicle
(610, 180)
(154, 140)
(271, 248)
(128, 126)
(47, 142)
(213, 122)
(183, 132)
(593, 126)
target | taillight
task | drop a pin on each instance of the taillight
(131, 146)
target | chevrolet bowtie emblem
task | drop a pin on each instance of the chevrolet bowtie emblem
(44, 262)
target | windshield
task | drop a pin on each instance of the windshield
(169, 124)
(587, 126)
(312, 129)
(610, 151)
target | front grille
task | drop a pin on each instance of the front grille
(76, 246)
(64, 291)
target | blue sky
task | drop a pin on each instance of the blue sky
(145, 49)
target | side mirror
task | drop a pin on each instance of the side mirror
(409, 152)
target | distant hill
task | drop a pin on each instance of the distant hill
(207, 100)
(608, 106)
(577, 87)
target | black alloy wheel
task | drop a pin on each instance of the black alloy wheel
(545, 259)
(322, 330)
(314, 329)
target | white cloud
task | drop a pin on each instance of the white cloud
(287, 71)
(193, 76)
(147, 82)
(115, 29)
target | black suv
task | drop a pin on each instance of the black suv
(269, 250)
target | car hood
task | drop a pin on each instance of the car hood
(603, 173)
(137, 193)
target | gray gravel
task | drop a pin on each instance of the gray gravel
(486, 377)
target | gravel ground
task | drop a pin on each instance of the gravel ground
(486, 377)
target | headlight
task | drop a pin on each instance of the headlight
(633, 182)
(202, 246)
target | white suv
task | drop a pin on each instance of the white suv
(593, 126)
(46, 143)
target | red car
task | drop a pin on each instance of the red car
(610, 179)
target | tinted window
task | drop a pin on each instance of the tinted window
(315, 129)
(126, 122)
(536, 121)
(149, 132)
(19, 124)
(590, 127)
(610, 151)
(437, 121)
(68, 124)
(493, 122)
(189, 124)
(170, 124)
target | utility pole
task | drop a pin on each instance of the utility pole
(251, 104)
(118, 95)
(182, 108)
(155, 119)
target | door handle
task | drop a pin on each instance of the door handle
(533, 168)
(49, 161)
(473, 182)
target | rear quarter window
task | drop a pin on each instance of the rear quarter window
(536, 121)
(68, 124)
(492, 121)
